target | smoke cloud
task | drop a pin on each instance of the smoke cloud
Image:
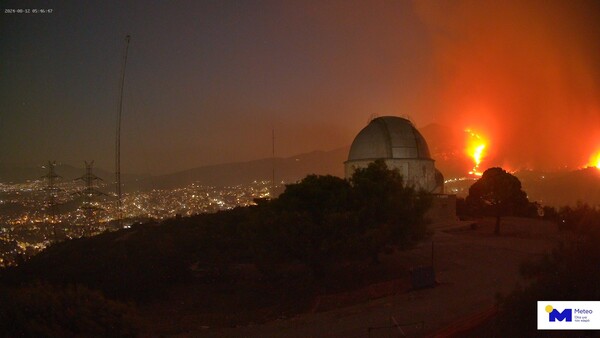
(526, 74)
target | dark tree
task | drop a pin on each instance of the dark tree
(498, 193)
(310, 223)
(324, 220)
(389, 212)
(316, 195)
(377, 190)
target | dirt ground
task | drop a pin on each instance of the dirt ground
(472, 266)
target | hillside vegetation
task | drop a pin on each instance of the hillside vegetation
(293, 243)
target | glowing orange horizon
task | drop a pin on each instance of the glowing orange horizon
(476, 146)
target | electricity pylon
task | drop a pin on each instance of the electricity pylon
(90, 190)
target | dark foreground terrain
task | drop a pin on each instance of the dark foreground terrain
(361, 299)
(472, 267)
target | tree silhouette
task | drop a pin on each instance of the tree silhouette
(497, 193)
(323, 220)
(316, 195)
(390, 212)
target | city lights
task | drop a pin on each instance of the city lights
(32, 225)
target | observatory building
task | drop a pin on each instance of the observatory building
(402, 147)
(396, 141)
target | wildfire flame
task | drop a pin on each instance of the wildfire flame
(595, 160)
(475, 149)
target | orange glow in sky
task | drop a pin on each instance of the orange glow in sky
(475, 148)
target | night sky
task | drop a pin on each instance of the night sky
(206, 81)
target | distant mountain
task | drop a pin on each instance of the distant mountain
(553, 189)
(288, 170)
(19, 174)
(442, 141)
(445, 145)
(562, 188)
(446, 148)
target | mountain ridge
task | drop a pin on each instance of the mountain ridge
(289, 169)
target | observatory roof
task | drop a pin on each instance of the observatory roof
(389, 137)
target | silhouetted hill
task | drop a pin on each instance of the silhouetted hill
(562, 188)
(445, 145)
(446, 148)
(288, 170)
(112, 262)
(19, 174)
(548, 188)
(440, 139)
(443, 142)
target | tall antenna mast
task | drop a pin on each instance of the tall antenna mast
(118, 143)
(273, 165)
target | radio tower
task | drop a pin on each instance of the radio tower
(90, 190)
(51, 191)
(118, 142)
(273, 165)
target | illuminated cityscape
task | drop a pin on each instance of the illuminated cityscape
(28, 224)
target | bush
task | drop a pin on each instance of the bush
(45, 311)
(314, 225)
(324, 220)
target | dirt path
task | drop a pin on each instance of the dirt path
(472, 266)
